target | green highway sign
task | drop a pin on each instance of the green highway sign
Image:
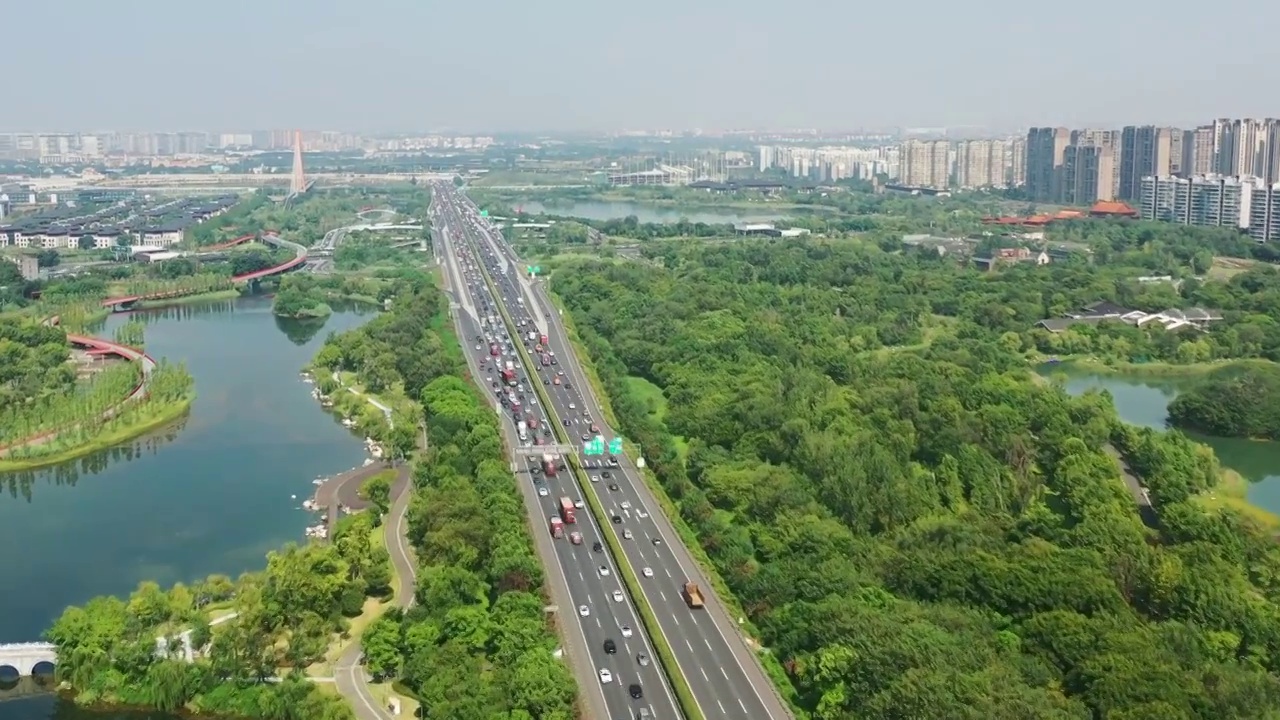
(594, 447)
(484, 213)
(615, 446)
(533, 269)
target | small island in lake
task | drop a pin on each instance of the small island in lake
(300, 299)
(1240, 400)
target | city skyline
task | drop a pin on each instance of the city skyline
(389, 65)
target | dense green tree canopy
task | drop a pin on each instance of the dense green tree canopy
(916, 526)
(1233, 402)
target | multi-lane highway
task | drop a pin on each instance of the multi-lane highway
(603, 630)
(723, 673)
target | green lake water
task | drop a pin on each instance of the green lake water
(1145, 401)
(213, 494)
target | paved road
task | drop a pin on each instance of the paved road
(574, 571)
(348, 674)
(722, 670)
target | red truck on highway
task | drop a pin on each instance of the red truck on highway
(549, 465)
(566, 510)
(557, 528)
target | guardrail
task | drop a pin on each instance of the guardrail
(666, 657)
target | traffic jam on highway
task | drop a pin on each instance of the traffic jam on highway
(716, 675)
(622, 652)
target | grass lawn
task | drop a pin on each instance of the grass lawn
(393, 397)
(1232, 494)
(1225, 267)
(651, 395)
(379, 539)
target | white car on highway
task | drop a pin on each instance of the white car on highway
(604, 571)
(647, 572)
(617, 596)
(606, 677)
(626, 630)
(584, 611)
(542, 491)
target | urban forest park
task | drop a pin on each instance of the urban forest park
(892, 464)
(808, 402)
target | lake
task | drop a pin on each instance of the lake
(1145, 401)
(214, 494)
(646, 213)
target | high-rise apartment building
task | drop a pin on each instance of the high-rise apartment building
(1046, 147)
(980, 164)
(926, 164)
(766, 158)
(1016, 162)
(1177, 153)
(1242, 147)
(1242, 150)
(1271, 151)
(1144, 150)
(1264, 214)
(1201, 200)
(1109, 141)
(1198, 151)
(1088, 174)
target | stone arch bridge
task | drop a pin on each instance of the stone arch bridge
(26, 658)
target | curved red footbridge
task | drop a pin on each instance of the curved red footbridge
(98, 346)
(270, 237)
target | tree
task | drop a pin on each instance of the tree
(381, 646)
(86, 242)
(377, 490)
(402, 437)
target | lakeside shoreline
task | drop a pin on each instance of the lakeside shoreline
(147, 418)
(151, 421)
(1232, 490)
(1152, 369)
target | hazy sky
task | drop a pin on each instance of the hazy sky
(371, 65)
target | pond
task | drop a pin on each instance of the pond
(213, 494)
(1144, 400)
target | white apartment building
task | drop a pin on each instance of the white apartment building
(981, 164)
(926, 164)
(1264, 214)
(1246, 203)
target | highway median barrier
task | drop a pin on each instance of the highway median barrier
(782, 685)
(666, 658)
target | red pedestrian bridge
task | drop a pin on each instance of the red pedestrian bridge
(270, 238)
(98, 346)
(232, 243)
